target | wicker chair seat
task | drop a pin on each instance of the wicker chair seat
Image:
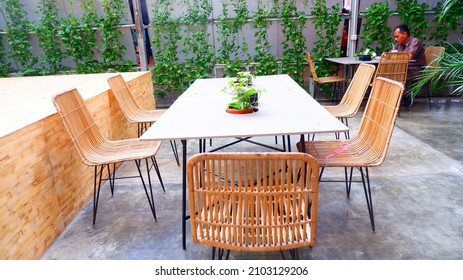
(266, 233)
(329, 79)
(119, 150)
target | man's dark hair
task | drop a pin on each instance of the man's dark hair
(403, 28)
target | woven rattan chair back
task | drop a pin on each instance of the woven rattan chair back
(432, 55)
(129, 106)
(369, 147)
(311, 66)
(394, 66)
(354, 95)
(378, 121)
(321, 80)
(133, 111)
(81, 127)
(95, 150)
(253, 202)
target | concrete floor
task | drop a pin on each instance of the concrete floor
(417, 196)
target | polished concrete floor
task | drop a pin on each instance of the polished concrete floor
(417, 196)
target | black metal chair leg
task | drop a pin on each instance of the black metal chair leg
(368, 198)
(173, 144)
(158, 172)
(96, 189)
(150, 199)
(111, 177)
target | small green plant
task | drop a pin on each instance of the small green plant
(242, 92)
(366, 51)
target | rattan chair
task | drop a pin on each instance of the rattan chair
(253, 202)
(370, 145)
(432, 55)
(394, 66)
(133, 111)
(321, 80)
(335, 80)
(353, 97)
(94, 150)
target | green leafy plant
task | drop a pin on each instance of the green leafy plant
(267, 63)
(326, 23)
(4, 64)
(166, 35)
(200, 52)
(366, 51)
(79, 38)
(113, 49)
(445, 22)
(413, 15)
(241, 91)
(376, 33)
(293, 23)
(48, 33)
(232, 44)
(17, 34)
(448, 73)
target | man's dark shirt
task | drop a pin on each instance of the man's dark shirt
(413, 46)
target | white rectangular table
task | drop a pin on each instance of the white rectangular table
(285, 108)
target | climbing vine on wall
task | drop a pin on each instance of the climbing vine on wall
(4, 64)
(48, 33)
(413, 15)
(166, 35)
(79, 38)
(267, 62)
(376, 34)
(113, 49)
(326, 23)
(293, 23)
(199, 54)
(232, 44)
(17, 35)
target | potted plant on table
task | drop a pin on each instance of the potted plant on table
(365, 55)
(245, 97)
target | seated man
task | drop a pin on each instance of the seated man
(412, 45)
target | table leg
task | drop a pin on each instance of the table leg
(184, 217)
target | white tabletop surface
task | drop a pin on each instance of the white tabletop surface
(284, 109)
(351, 60)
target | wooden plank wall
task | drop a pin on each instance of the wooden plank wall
(43, 184)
